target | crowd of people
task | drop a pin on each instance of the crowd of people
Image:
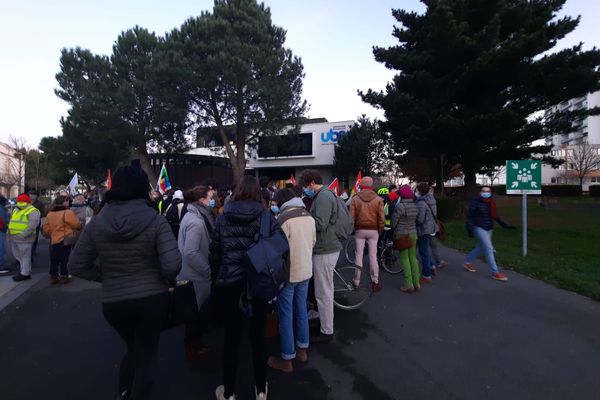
(144, 247)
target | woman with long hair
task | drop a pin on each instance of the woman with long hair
(138, 256)
(235, 232)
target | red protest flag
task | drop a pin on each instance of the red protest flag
(292, 180)
(335, 186)
(108, 181)
(357, 183)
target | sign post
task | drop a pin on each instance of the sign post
(524, 177)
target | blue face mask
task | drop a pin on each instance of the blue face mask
(275, 209)
(309, 192)
(212, 203)
(486, 195)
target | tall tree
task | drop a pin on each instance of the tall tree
(120, 103)
(471, 73)
(236, 73)
(365, 147)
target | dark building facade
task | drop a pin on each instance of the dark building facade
(188, 170)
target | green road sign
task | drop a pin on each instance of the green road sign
(523, 177)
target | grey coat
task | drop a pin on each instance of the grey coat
(194, 243)
(427, 206)
(136, 249)
(404, 220)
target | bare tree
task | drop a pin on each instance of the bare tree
(581, 160)
(15, 168)
(494, 173)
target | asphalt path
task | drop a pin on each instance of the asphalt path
(465, 336)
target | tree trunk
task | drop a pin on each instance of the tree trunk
(440, 181)
(470, 180)
(142, 154)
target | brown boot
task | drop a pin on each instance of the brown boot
(407, 289)
(54, 280)
(280, 364)
(302, 355)
(65, 279)
(376, 287)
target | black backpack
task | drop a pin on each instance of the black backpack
(266, 262)
(173, 216)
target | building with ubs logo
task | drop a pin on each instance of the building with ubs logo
(280, 156)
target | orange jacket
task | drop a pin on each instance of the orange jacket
(60, 223)
(367, 211)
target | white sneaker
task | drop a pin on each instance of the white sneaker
(262, 396)
(220, 392)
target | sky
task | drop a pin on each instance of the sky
(334, 38)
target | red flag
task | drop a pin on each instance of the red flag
(108, 181)
(292, 180)
(357, 183)
(335, 186)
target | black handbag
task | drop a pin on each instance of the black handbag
(183, 306)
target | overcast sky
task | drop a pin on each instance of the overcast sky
(334, 39)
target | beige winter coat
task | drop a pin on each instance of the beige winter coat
(302, 236)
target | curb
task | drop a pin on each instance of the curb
(7, 298)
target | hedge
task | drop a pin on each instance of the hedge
(595, 190)
(561, 190)
(449, 208)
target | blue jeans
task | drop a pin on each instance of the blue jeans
(2, 249)
(484, 243)
(293, 312)
(424, 246)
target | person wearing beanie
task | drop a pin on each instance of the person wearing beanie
(21, 231)
(131, 250)
(4, 219)
(404, 226)
(175, 212)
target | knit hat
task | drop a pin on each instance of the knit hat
(406, 192)
(24, 198)
(129, 183)
(178, 195)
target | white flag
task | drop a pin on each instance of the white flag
(73, 184)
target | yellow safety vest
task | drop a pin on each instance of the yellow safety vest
(386, 211)
(20, 220)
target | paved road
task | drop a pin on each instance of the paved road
(464, 337)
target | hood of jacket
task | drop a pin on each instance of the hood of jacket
(367, 195)
(242, 212)
(125, 220)
(428, 198)
(295, 202)
(201, 211)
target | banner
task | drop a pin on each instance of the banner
(163, 184)
(335, 186)
(292, 180)
(73, 184)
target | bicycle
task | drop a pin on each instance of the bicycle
(346, 294)
(387, 257)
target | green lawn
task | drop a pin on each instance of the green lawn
(564, 242)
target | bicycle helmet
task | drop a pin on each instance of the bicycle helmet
(383, 191)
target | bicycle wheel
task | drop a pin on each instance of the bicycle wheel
(389, 259)
(350, 249)
(346, 295)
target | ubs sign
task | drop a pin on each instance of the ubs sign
(333, 135)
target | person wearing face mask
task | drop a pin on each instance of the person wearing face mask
(193, 241)
(480, 224)
(21, 232)
(326, 252)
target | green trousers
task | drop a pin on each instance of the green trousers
(410, 264)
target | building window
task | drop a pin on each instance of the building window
(285, 145)
(595, 179)
(555, 180)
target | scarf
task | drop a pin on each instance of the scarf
(493, 209)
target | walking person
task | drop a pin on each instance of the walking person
(299, 228)
(326, 252)
(426, 226)
(138, 256)
(367, 211)
(235, 232)
(480, 224)
(60, 225)
(193, 241)
(22, 229)
(404, 227)
(4, 220)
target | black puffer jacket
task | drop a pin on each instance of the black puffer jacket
(235, 232)
(136, 250)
